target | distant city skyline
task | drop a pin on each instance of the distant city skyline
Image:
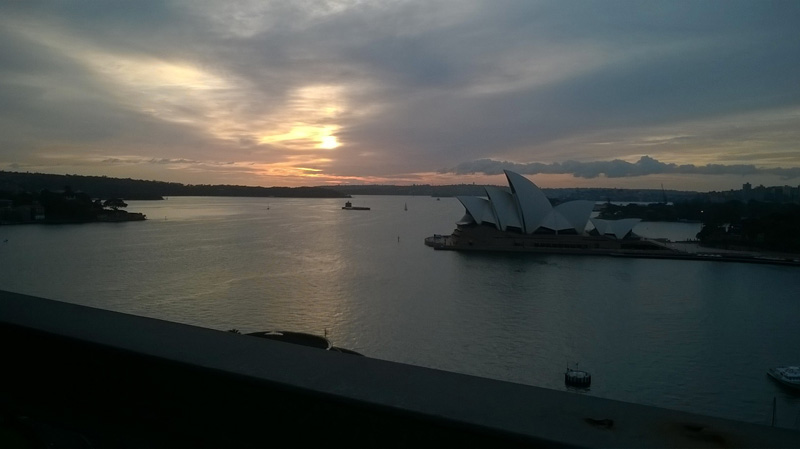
(698, 96)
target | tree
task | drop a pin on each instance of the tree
(114, 203)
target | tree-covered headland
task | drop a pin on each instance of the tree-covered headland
(732, 224)
(65, 206)
(45, 198)
(135, 189)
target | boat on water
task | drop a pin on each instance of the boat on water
(349, 206)
(298, 338)
(787, 375)
(303, 339)
(577, 378)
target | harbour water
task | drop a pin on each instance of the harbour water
(694, 336)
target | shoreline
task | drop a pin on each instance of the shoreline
(680, 251)
(103, 218)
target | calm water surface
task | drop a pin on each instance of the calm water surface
(695, 336)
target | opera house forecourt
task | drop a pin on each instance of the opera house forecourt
(522, 219)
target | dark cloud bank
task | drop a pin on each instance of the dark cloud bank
(615, 169)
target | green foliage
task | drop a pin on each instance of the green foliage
(730, 224)
(771, 226)
(67, 206)
(114, 203)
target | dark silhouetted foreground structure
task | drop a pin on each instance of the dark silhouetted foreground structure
(75, 376)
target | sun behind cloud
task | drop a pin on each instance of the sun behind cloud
(329, 142)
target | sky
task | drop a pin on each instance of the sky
(688, 95)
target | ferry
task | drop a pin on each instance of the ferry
(349, 206)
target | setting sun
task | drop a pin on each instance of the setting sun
(329, 142)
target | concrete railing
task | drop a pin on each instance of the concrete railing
(83, 377)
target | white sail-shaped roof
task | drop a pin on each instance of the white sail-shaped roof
(479, 208)
(505, 207)
(577, 213)
(527, 208)
(531, 201)
(555, 221)
(466, 220)
(602, 227)
(617, 228)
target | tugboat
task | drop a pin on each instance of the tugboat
(577, 378)
(349, 206)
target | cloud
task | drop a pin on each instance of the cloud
(172, 161)
(615, 169)
(160, 161)
(403, 87)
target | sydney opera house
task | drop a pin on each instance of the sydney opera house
(521, 218)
